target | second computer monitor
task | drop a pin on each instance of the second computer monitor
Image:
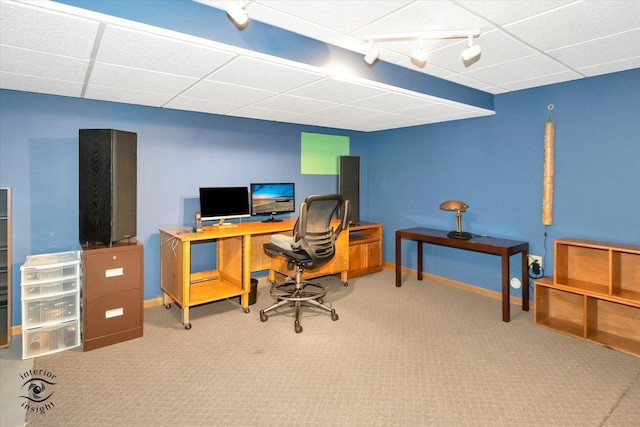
(269, 199)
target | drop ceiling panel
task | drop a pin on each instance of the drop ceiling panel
(254, 112)
(504, 12)
(343, 16)
(28, 83)
(127, 96)
(541, 80)
(390, 102)
(575, 23)
(138, 80)
(161, 54)
(422, 15)
(517, 70)
(337, 91)
(224, 92)
(611, 67)
(345, 112)
(265, 75)
(212, 106)
(293, 104)
(32, 28)
(306, 119)
(608, 49)
(39, 64)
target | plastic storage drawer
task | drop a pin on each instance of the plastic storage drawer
(44, 311)
(40, 289)
(50, 339)
(50, 267)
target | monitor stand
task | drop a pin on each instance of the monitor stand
(272, 219)
(225, 224)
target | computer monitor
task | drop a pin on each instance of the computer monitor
(272, 199)
(220, 203)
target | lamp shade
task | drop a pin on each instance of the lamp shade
(454, 205)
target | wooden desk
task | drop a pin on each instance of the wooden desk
(488, 245)
(239, 252)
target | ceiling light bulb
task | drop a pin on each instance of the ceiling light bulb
(372, 55)
(471, 52)
(237, 13)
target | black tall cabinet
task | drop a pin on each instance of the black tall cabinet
(108, 185)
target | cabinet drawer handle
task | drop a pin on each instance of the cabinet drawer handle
(114, 313)
(114, 272)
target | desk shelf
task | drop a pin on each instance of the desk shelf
(594, 294)
(208, 286)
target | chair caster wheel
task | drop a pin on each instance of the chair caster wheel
(263, 316)
(247, 310)
(334, 315)
(187, 326)
(297, 327)
(346, 284)
(167, 305)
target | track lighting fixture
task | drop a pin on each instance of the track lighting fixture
(419, 55)
(471, 51)
(237, 12)
(372, 54)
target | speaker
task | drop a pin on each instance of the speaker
(349, 184)
(108, 185)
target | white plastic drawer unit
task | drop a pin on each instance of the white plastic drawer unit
(50, 285)
(50, 267)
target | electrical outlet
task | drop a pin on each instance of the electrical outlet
(532, 258)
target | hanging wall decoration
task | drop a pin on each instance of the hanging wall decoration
(547, 179)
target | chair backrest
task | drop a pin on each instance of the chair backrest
(313, 232)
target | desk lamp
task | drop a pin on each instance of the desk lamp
(459, 207)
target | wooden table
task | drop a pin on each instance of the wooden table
(488, 245)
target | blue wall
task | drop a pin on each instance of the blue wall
(492, 163)
(495, 165)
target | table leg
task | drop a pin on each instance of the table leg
(185, 317)
(398, 260)
(419, 260)
(525, 280)
(506, 303)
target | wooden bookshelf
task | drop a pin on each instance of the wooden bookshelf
(594, 294)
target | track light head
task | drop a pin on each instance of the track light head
(237, 13)
(372, 54)
(471, 51)
(419, 56)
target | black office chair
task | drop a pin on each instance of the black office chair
(312, 245)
